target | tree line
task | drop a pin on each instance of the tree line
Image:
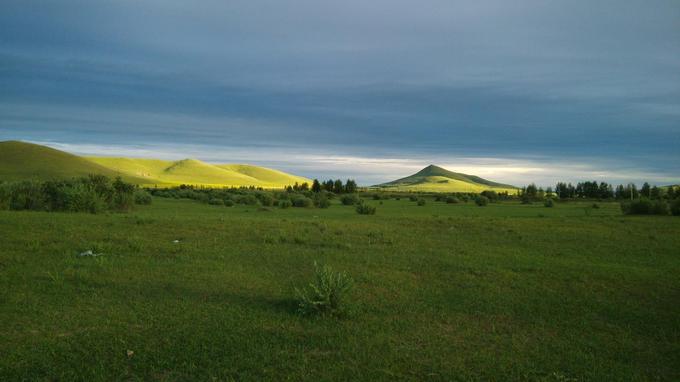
(335, 186)
(599, 190)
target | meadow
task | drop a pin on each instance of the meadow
(191, 291)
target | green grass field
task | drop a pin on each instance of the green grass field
(443, 292)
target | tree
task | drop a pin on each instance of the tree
(337, 187)
(531, 191)
(655, 193)
(316, 186)
(350, 186)
(646, 190)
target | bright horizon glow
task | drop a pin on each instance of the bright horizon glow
(374, 170)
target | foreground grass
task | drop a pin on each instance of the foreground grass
(443, 292)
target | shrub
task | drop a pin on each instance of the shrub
(645, 206)
(413, 198)
(265, 199)
(452, 200)
(595, 206)
(285, 203)
(322, 202)
(228, 203)
(326, 295)
(481, 200)
(349, 200)
(421, 202)
(660, 207)
(249, 200)
(216, 202)
(637, 207)
(365, 209)
(142, 197)
(302, 201)
(525, 199)
(675, 207)
(549, 203)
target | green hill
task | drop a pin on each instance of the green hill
(193, 171)
(20, 160)
(436, 179)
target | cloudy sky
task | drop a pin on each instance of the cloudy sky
(516, 91)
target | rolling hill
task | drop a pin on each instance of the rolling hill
(193, 171)
(436, 179)
(21, 160)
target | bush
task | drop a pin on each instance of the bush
(481, 200)
(365, 209)
(675, 207)
(249, 200)
(302, 201)
(322, 202)
(660, 207)
(350, 200)
(326, 295)
(413, 198)
(216, 202)
(285, 203)
(421, 202)
(228, 203)
(549, 203)
(595, 206)
(265, 199)
(452, 200)
(142, 197)
(645, 206)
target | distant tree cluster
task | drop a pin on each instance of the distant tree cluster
(648, 200)
(335, 186)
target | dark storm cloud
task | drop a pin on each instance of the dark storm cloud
(570, 81)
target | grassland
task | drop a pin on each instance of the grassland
(21, 160)
(443, 292)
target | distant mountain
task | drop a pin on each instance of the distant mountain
(436, 179)
(21, 160)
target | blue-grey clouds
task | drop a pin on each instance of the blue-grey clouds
(568, 81)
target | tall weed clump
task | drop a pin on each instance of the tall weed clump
(327, 294)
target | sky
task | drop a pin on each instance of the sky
(514, 91)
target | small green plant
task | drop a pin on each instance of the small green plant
(228, 203)
(326, 295)
(549, 203)
(452, 200)
(365, 209)
(285, 203)
(421, 202)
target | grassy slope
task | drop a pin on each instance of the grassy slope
(436, 179)
(265, 175)
(443, 292)
(192, 171)
(21, 160)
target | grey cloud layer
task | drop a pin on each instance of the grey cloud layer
(565, 80)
